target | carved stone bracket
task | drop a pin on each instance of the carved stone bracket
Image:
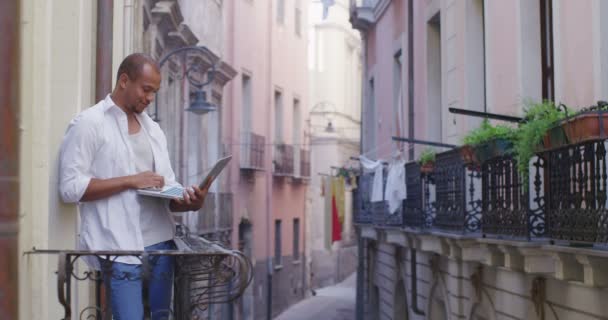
(594, 270)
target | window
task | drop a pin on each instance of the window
(278, 116)
(277, 243)
(371, 126)
(546, 38)
(434, 86)
(410, 76)
(296, 136)
(296, 239)
(298, 22)
(281, 11)
(246, 96)
(398, 129)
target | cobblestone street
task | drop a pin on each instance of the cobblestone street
(335, 302)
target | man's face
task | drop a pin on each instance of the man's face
(140, 92)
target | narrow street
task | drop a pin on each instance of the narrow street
(335, 302)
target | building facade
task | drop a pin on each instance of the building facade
(334, 115)
(70, 52)
(449, 253)
(265, 42)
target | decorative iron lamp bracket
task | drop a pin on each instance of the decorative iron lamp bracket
(198, 98)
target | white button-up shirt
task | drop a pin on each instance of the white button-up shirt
(96, 145)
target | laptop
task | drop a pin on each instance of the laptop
(177, 192)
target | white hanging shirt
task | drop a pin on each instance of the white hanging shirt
(96, 145)
(376, 168)
(396, 190)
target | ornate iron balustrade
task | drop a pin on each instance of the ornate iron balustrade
(362, 206)
(413, 210)
(283, 160)
(458, 196)
(506, 209)
(575, 181)
(252, 151)
(205, 274)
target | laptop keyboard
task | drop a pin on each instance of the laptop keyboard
(175, 191)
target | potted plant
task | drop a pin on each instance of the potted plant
(539, 131)
(489, 141)
(427, 161)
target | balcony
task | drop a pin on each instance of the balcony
(205, 274)
(564, 202)
(283, 160)
(252, 151)
(304, 170)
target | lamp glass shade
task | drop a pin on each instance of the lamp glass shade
(199, 104)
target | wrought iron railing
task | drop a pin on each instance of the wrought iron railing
(413, 209)
(458, 194)
(205, 274)
(575, 181)
(283, 160)
(362, 206)
(252, 151)
(508, 210)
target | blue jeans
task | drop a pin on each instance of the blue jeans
(127, 288)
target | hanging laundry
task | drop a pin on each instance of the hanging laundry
(340, 191)
(396, 190)
(327, 213)
(336, 230)
(376, 168)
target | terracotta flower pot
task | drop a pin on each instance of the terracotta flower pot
(468, 155)
(586, 126)
(427, 167)
(554, 138)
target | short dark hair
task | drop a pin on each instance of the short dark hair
(134, 63)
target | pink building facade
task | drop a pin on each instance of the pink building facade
(423, 57)
(265, 131)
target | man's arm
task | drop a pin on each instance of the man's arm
(103, 188)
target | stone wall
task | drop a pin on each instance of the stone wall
(464, 278)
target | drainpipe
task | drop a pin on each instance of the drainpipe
(103, 84)
(103, 69)
(9, 154)
(414, 280)
(269, 95)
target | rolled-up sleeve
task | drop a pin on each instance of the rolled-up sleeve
(75, 160)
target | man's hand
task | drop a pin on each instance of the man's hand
(147, 179)
(193, 199)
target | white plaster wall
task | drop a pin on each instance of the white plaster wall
(57, 82)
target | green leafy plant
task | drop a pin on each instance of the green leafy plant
(487, 132)
(539, 118)
(427, 156)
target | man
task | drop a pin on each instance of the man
(109, 151)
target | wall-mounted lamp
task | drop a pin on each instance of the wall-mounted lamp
(198, 98)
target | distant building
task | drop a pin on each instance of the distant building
(334, 66)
